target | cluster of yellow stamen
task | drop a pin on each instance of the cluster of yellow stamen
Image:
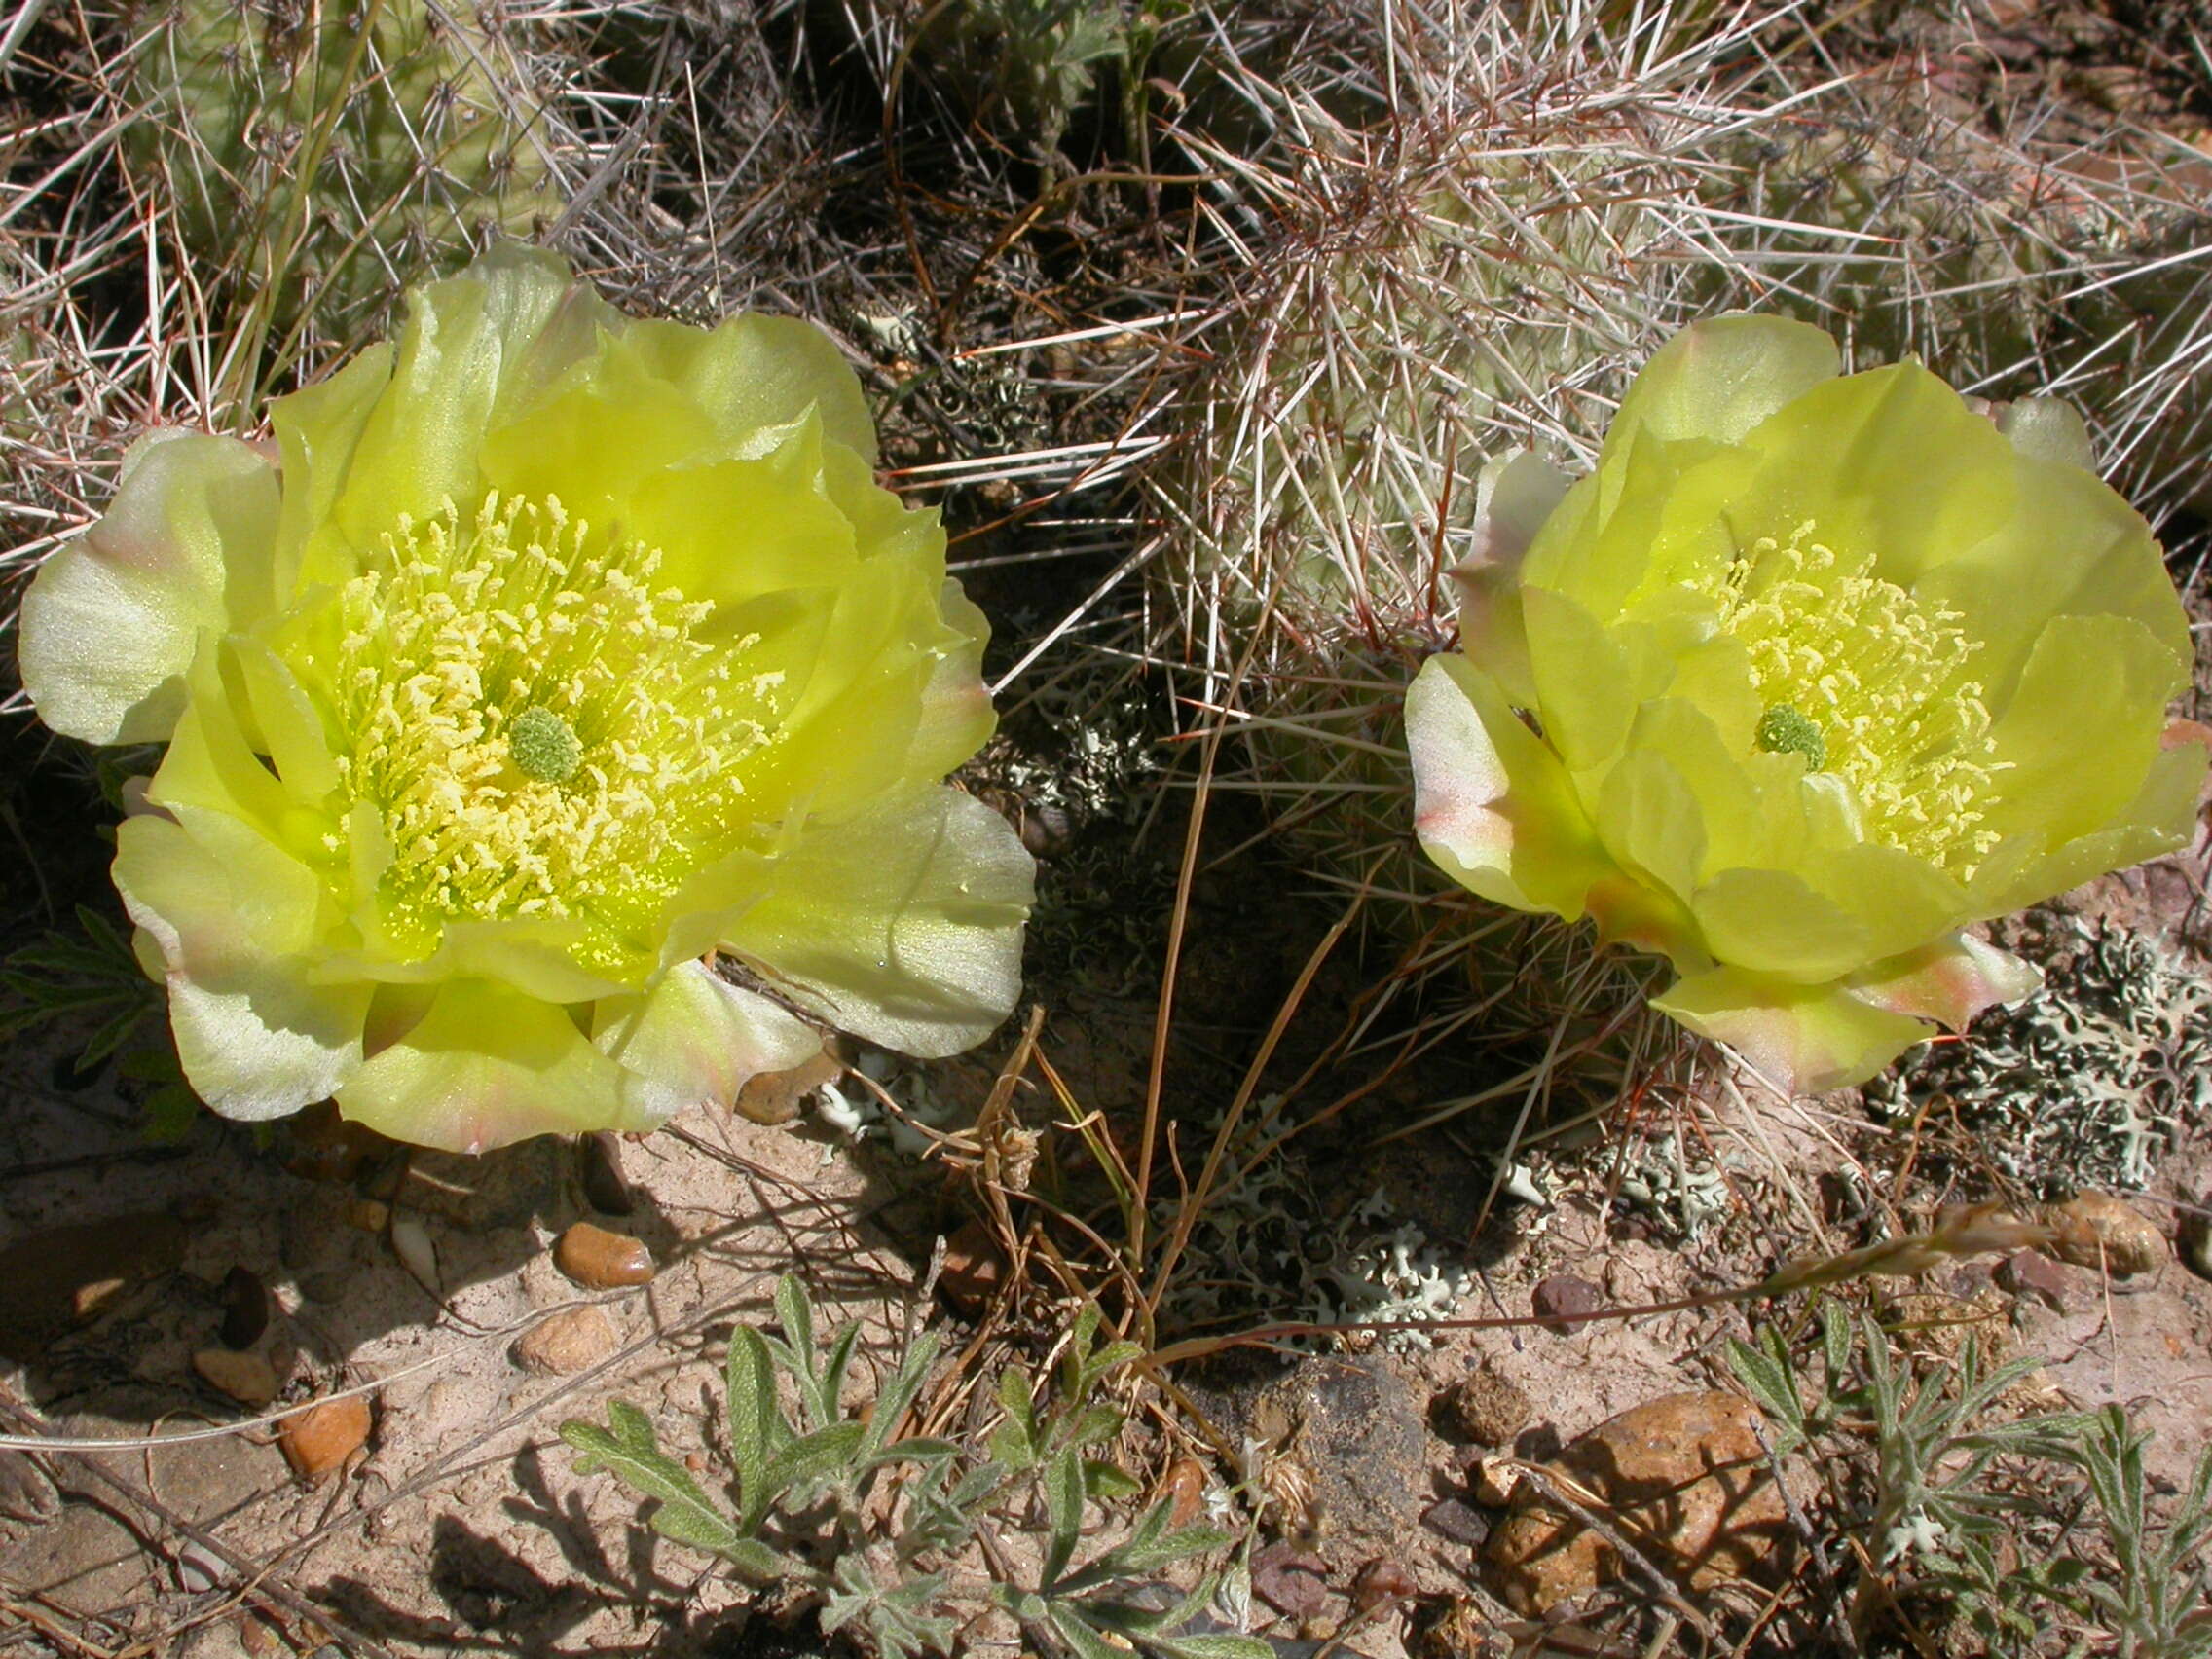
(1869, 682)
(537, 728)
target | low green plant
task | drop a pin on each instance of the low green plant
(876, 1526)
(1028, 66)
(2004, 1520)
(1045, 55)
(91, 979)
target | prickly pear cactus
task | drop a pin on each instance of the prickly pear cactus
(330, 155)
(1484, 274)
(2082, 273)
(1480, 276)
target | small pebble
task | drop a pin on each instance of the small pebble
(247, 1377)
(1564, 1293)
(1379, 1582)
(1482, 1409)
(972, 1270)
(775, 1098)
(2193, 1243)
(570, 1341)
(1493, 1480)
(245, 1309)
(2028, 1274)
(411, 1243)
(368, 1215)
(1291, 1580)
(599, 1165)
(600, 1260)
(89, 1298)
(1684, 1477)
(1451, 1519)
(2097, 1230)
(1183, 1488)
(200, 1569)
(319, 1440)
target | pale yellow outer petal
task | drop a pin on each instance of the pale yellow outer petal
(1491, 804)
(486, 1066)
(111, 621)
(1803, 1039)
(903, 925)
(695, 1038)
(1717, 379)
(232, 920)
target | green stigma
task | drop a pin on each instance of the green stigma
(544, 746)
(1783, 730)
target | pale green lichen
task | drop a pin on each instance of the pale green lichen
(2088, 1082)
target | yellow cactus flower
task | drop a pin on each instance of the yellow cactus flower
(552, 711)
(1811, 673)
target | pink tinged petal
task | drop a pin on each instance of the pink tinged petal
(1493, 805)
(695, 1038)
(231, 921)
(1803, 1039)
(1513, 497)
(484, 1067)
(1951, 981)
(110, 622)
(903, 925)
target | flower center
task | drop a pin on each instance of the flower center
(537, 729)
(1869, 682)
